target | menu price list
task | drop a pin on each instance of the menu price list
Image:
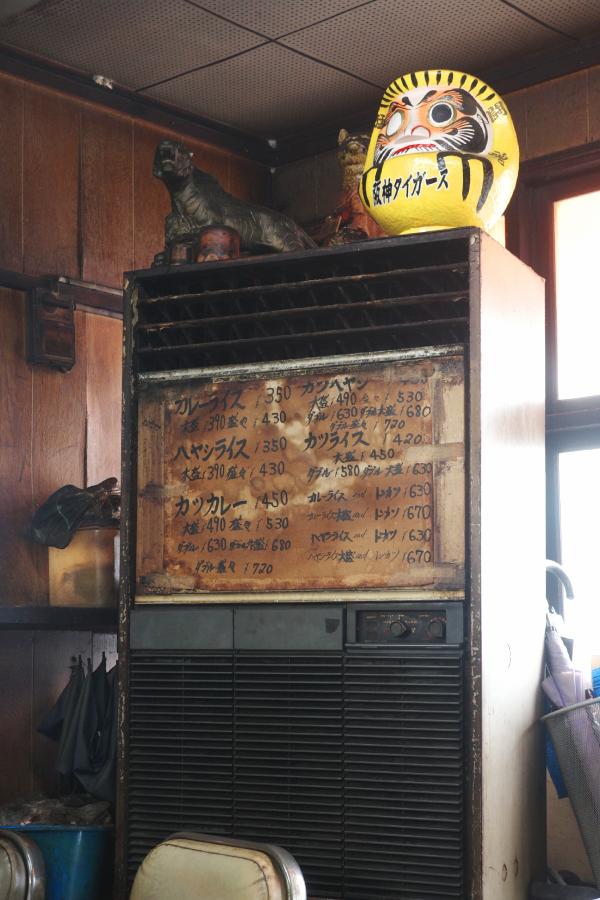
(315, 481)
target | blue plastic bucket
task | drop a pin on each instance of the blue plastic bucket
(78, 858)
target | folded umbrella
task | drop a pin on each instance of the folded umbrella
(98, 773)
(54, 721)
(84, 722)
(566, 686)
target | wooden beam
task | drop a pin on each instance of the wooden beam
(85, 295)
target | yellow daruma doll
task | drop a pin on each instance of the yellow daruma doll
(443, 154)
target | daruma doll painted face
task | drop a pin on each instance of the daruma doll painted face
(443, 154)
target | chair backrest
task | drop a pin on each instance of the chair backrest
(190, 866)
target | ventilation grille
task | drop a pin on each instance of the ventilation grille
(382, 295)
(289, 759)
(404, 781)
(181, 749)
(352, 761)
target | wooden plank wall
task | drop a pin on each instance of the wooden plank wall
(78, 199)
(58, 428)
(78, 194)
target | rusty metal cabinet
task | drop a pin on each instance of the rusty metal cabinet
(452, 295)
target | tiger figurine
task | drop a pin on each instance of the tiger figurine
(351, 154)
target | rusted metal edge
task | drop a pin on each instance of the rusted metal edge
(407, 595)
(299, 366)
(473, 706)
(265, 263)
(127, 581)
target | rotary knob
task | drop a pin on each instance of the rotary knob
(399, 628)
(436, 629)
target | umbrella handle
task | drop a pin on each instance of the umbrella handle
(557, 570)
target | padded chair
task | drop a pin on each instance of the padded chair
(191, 866)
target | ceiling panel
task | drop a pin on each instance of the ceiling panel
(270, 91)
(185, 53)
(11, 7)
(386, 39)
(580, 18)
(134, 42)
(277, 17)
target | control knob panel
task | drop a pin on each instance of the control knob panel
(406, 626)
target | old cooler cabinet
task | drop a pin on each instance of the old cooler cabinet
(332, 573)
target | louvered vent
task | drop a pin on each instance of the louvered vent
(403, 774)
(181, 748)
(353, 761)
(289, 759)
(377, 295)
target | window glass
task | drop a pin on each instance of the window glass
(580, 540)
(577, 250)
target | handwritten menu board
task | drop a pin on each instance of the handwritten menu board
(338, 479)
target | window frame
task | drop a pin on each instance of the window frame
(571, 424)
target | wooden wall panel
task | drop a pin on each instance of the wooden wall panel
(106, 197)
(104, 643)
(16, 655)
(78, 199)
(11, 163)
(51, 183)
(59, 423)
(103, 397)
(21, 561)
(210, 159)
(151, 199)
(248, 180)
(58, 428)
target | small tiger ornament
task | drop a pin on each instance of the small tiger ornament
(443, 154)
(352, 150)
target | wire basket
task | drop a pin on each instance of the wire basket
(575, 733)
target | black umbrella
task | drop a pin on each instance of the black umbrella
(96, 753)
(84, 721)
(53, 722)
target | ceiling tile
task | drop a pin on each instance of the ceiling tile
(270, 92)
(580, 18)
(276, 17)
(134, 42)
(387, 39)
(12, 7)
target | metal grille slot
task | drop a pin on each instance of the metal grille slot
(404, 780)
(378, 295)
(352, 761)
(289, 752)
(181, 747)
